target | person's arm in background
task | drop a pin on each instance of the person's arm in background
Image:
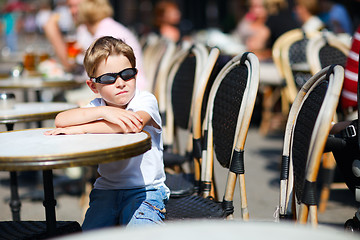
(54, 35)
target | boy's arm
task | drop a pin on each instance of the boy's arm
(147, 119)
(103, 126)
(100, 126)
(87, 120)
(113, 115)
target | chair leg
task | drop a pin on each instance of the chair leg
(307, 211)
(303, 213)
(329, 167)
(271, 96)
(267, 104)
(313, 215)
(244, 205)
(229, 191)
(285, 103)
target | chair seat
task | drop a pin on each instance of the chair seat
(172, 159)
(193, 207)
(180, 184)
(34, 229)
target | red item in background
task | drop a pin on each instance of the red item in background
(349, 92)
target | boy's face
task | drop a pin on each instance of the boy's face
(119, 93)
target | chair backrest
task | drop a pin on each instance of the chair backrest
(155, 49)
(324, 50)
(277, 50)
(229, 109)
(295, 67)
(182, 85)
(307, 128)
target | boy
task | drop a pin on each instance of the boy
(131, 191)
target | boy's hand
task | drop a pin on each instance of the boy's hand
(65, 131)
(127, 120)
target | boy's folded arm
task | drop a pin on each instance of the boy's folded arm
(77, 116)
(103, 126)
(104, 119)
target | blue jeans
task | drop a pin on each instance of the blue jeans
(125, 207)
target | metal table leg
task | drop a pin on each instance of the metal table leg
(15, 203)
(49, 202)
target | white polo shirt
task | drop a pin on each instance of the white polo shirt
(143, 170)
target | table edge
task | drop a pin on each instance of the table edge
(82, 159)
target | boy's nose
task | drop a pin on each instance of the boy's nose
(119, 82)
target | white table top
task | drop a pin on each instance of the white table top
(37, 82)
(32, 150)
(33, 111)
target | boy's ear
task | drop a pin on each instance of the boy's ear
(92, 86)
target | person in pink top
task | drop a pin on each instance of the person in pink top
(96, 15)
(349, 102)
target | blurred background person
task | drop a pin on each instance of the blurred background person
(11, 23)
(59, 42)
(253, 31)
(307, 14)
(96, 15)
(66, 23)
(43, 14)
(280, 18)
(167, 18)
(336, 17)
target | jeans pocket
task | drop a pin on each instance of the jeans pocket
(149, 213)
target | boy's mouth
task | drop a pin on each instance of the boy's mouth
(122, 92)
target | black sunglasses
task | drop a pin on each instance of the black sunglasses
(110, 78)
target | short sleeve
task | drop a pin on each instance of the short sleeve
(147, 102)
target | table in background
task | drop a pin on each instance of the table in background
(31, 150)
(37, 84)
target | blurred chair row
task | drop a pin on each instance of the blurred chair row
(206, 115)
(206, 107)
(297, 56)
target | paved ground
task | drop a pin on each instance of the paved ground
(262, 158)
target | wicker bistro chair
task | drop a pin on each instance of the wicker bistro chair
(289, 56)
(307, 128)
(186, 84)
(155, 51)
(272, 96)
(229, 109)
(322, 51)
(295, 67)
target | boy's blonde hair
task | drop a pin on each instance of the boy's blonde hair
(102, 48)
(92, 11)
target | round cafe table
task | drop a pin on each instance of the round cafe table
(27, 112)
(32, 150)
